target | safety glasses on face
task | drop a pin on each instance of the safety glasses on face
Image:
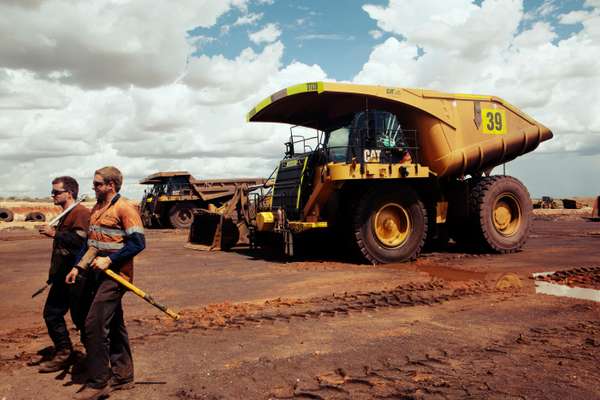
(56, 192)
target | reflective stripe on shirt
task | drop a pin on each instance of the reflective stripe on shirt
(135, 229)
(107, 231)
(116, 232)
(105, 245)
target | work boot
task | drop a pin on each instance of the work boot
(116, 384)
(79, 362)
(45, 354)
(60, 361)
(90, 393)
(36, 360)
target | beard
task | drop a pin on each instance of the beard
(100, 196)
(58, 202)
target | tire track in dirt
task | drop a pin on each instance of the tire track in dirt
(468, 372)
(217, 317)
(238, 316)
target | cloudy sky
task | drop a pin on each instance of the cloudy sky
(167, 86)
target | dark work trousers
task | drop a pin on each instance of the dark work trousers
(57, 305)
(62, 298)
(106, 336)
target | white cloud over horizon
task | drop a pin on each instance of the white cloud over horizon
(248, 19)
(268, 34)
(88, 84)
(472, 49)
(174, 112)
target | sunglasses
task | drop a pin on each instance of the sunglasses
(55, 192)
(98, 184)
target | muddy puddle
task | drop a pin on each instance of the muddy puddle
(543, 286)
(501, 281)
(579, 283)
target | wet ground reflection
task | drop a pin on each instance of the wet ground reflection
(555, 289)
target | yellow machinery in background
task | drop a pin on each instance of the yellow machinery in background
(173, 197)
(388, 169)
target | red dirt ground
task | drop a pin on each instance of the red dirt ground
(451, 325)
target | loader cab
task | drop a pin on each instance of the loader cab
(157, 189)
(151, 195)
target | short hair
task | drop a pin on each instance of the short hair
(69, 184)
(111, 174)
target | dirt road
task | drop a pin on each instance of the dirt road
(452, 325)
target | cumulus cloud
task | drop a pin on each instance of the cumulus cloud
(105, 42)
(58, 120)
(480, 49)
(324, 36)
(376, 34)
(248, 19)
(87, 84)
(268, 34)
(592, 3)
(539, 35)
(548, 7)
(220, 80)
(198, 124)
(573, 17)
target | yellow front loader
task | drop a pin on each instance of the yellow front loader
(388, 169)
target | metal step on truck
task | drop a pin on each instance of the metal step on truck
(174, 196)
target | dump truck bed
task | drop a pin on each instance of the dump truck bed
(458, 134)
(206, 189)
(210, 189)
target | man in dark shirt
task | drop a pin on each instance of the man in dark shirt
(69, 238)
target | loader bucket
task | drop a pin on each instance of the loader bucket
(212, 231)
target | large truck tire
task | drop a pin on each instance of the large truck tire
(390, 225)
(181, 215)
(6, 215)
(502, 209)
(35, 216)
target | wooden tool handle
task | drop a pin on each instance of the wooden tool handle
(139, 292)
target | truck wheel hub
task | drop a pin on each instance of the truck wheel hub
(506, 215)
(391, 225)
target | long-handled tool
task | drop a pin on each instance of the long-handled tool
(40, 290)
(89, 256)
(56, 219)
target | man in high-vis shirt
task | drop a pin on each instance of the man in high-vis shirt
(116, 231)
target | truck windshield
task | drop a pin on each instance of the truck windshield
(378, 129)
(158, 189)
(373, 129)
(338, 144)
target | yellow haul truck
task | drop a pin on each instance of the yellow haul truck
(393, 168)
(174, 196)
